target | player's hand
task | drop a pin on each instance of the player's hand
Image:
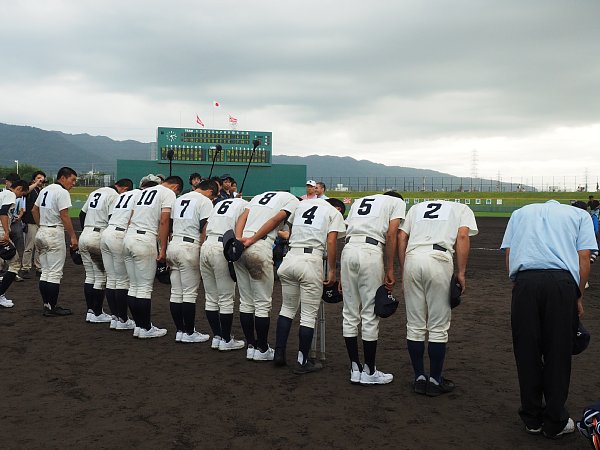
(462, 281)
(162, 257)
(390, 279)
(4, 240)
(73, 244)
(330, 277)
(247, 241)
(580, 307)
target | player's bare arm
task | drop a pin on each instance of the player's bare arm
(391, 248)
(163, 233)
(6, 227)
(241, 223)
(35, 212)
(462, 247)
(331, 256)
(267, 227)
(402, 245)
(584, 273)
(66, 221)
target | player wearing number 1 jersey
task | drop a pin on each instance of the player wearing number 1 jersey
(257, 228)
(149, 223)
(189, 215)
(315, 227)
(430, 235)
(367, 263)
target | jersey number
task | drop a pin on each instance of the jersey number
(224, 206)
(44, 199)
(94, 202)
(432, 208)
(267, 198)
(365, 207)
(126, 198)
(309, 215)
(185, 204)
(149, 200)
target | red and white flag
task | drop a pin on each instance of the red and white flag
(232, 119)
(199, 121)
(347, 200)
(216, 104)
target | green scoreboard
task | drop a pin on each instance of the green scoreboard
(199, 145)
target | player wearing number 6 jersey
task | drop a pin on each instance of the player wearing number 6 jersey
(189, 215)
(367, 263)
(430, 235)
(150, 221)
(315, 228)
(257, 228)
(219, 286)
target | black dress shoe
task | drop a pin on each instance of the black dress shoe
(56, 311)
(433, 390)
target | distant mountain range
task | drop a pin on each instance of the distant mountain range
(51, 150)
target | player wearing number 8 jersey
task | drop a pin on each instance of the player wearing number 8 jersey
(367, 263)
(430, 235)
(257, 228)
(189, 215)
(150, 221)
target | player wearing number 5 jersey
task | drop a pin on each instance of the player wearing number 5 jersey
(367, 263)
(111, 245)
(430, 235)
(189, 215)
(257, 228)
(149, 222)
(315, 228)
(219, 286)
(94, 220)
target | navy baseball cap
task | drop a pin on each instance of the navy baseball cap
(232, 248)
(581, 339)
(455, 291)
(331, 293)
(385, 303)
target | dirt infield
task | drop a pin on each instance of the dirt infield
(68, 384)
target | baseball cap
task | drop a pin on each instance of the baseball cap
(332, 294)
(312, 183)
(455, 290)
(385, 303)
(226, 176)
(581, 340)
(232, 248)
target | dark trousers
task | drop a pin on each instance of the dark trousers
(543, 319)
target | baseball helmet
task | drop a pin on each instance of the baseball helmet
(581, 339)
(76, 257)
(385, 303)
(8, 251)
(232, 248)
(331, 293)
(163, 273)
(455, 291)
(337, 203)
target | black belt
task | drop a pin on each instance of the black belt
(50, 226)
(187, 239)
(97, 230)
(220, 239)
(308, 250)
(120, 229)
(439, 247)
(368, 240)
(140, 231)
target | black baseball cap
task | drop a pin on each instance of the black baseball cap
(385, 303)
(226, 176)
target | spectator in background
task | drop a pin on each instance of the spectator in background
(195, 180)
(320, 190)
(30, 256)
(310, 190)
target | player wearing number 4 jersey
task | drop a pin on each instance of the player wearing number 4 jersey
(257, 228)
(94, 217)
(150, 221)
(367, 263)
(189, 215)
(430, 235)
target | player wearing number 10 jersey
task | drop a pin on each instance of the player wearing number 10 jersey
(429, 236)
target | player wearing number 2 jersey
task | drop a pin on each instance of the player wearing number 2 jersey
(430, 235)
(367, 263)
(257, 228)
(149, 222)
(189, 215)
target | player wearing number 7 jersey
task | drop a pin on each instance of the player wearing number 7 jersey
(430, 235)
(367, 263)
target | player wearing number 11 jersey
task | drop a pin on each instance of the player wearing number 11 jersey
(430, 235)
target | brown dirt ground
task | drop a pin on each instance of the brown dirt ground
(68, 384)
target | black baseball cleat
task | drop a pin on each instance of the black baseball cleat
(308, 367)
(279, 357)
(433, 390)
(55, 311)
(420, 385)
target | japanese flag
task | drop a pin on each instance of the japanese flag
(216, 104)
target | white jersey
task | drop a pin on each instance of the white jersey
(437, 222)
(122, 208)
(264, 206)
(188, 211)
(370, 216)
(8, 201)
(98, 205)
(312, 221)
(224, 216)
(51, 201)
(150, 204)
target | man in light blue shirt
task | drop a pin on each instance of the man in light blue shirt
(548, 258)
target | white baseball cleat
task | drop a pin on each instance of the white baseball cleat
(250, 352)
(88, 315)
(216, 341)
(136, 332)
(153, 332)
(377, 377)
(129, 325)
(100, 318)
(6, 303)
(113, 322)
(267, 355)
(196, 336)
(233, 344)
(179, 336)
(355, 374)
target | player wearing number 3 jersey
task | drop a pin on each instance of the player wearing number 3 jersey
(430, 235)
(367, 263)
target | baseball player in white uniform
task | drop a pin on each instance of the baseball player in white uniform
(8, 198)
(367, 263)
(430, 235)
(257, 228)
(219, 287)
(149, 223)
(51, 213)
(189, 214)
(315, 228)
(111, 246)
(94, 217)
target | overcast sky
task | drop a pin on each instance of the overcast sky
(420, 83)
